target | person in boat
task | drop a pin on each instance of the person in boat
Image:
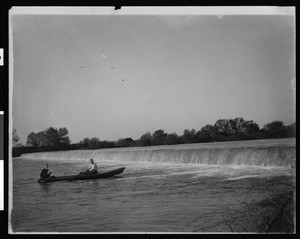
(92, 169)
(45, 173)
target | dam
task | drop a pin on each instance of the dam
(276, 152)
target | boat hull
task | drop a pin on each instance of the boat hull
(83, 177)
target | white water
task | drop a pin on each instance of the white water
(280, 153)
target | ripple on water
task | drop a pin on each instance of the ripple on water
(165, 198)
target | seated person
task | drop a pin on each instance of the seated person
(92, 169)
(45, 173)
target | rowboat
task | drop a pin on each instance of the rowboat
(107, 174)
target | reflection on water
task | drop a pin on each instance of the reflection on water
(46, 187)
(147, 197)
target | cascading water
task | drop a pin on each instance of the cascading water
(256, 153)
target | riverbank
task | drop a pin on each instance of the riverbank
(273, 214)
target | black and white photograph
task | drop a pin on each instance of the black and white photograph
(152, 120)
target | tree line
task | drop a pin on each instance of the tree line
(223, 130)
(51, 137)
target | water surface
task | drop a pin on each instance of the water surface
(146, 197)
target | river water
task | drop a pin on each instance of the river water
(148, 196)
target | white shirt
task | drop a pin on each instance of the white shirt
(93, 167)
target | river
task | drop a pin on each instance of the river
(167, 189)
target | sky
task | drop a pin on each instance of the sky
(117, 76)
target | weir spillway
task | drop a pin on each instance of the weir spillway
(276, 152)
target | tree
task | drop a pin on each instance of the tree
(94, 143)
(172, 139)
(127, 142)
(84, 143)
(64, 139)
(51, 137)
(145, 140)
(15, 137)
(32, 140)
(222, 127)
(37, 139)
(252, 130)
(236, 129)
(158, 137)
(275, 129)
(189, 136)
(291, 130)
(106, 144)
(207, 133)
(230, 126)
(237, 125)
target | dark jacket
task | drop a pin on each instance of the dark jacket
(44, 173)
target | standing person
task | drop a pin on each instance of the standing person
(45, 173)
(92, 169)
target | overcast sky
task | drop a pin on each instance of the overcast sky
(121, 76)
